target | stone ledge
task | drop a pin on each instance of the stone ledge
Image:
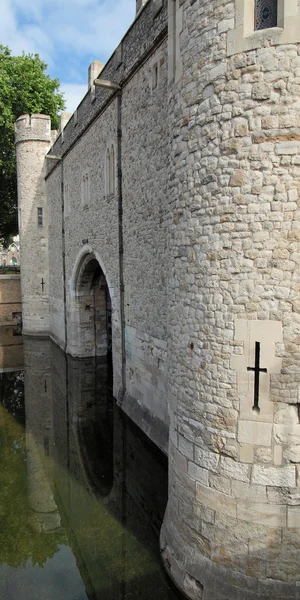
(243, 38)
(152, 426)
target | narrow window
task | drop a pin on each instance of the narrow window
(174, 37)
(40, 217)
(107, 176)
(85, 189)
(154, 76)
(82, 189)
(112, 168)
(67, 200)
(265, 14)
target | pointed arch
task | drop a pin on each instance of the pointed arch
(90, 329)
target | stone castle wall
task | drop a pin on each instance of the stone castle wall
(232, 528)
(146, 263)
(56, 257)
(210, 155)
(93, 227)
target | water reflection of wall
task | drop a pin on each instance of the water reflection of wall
(113, 500)
(39, 434)
(11, 350)
(93, 473)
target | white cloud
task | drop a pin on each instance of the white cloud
(67, 35)
(67, 29)
(29, 37)
(73, 94)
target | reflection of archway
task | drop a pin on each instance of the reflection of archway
(93, 308)
(95, 422)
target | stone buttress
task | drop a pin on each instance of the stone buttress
(33, 140)
(232, 527)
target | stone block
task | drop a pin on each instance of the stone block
(245, 491)
(186, 448)
(215, 500)
(286, 413)
(246, 453)
(217, 71)
(287, 434)
(287, 148)
(254, 433)
(197, 473)
(293, 517)
(261, 91)
(234, 469)
(274, 476)
(278, 455)
(238, 178)
(262, 514)
(207, 459)
(283, 495)
(263, 454)
(219, 483)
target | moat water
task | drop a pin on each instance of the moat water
(82, 490)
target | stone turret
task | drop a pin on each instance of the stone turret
(139, 5)
(232, 526)
(44, 515)
(33, 140)
(94, 71)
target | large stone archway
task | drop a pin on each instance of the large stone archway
(90, 312)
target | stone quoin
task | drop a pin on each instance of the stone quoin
(162, 224)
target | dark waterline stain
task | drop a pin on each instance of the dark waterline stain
(83, 491)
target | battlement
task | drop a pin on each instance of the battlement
(147, 31)
(139, 5)
(33, 127)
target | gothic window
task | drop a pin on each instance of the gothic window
(265, 14)
(85, 189)
(110, 172)
(67, 200)
(40, 217)
(107, 172)
(154, 76)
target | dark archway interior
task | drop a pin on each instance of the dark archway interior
(95, 311)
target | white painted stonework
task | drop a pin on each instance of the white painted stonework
(268, 334)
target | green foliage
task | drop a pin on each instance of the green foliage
(24, 89)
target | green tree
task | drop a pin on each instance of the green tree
(24, 89)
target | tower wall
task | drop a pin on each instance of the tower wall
(44, 515)
(232, 527)
(33, 139)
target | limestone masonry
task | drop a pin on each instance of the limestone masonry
(162, 225)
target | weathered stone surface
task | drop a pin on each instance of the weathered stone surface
(282, 476)
(210, 165)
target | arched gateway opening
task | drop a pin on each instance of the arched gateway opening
(93, 308)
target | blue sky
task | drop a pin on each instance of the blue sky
(67, 34)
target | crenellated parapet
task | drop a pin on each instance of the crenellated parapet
(33, 128)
